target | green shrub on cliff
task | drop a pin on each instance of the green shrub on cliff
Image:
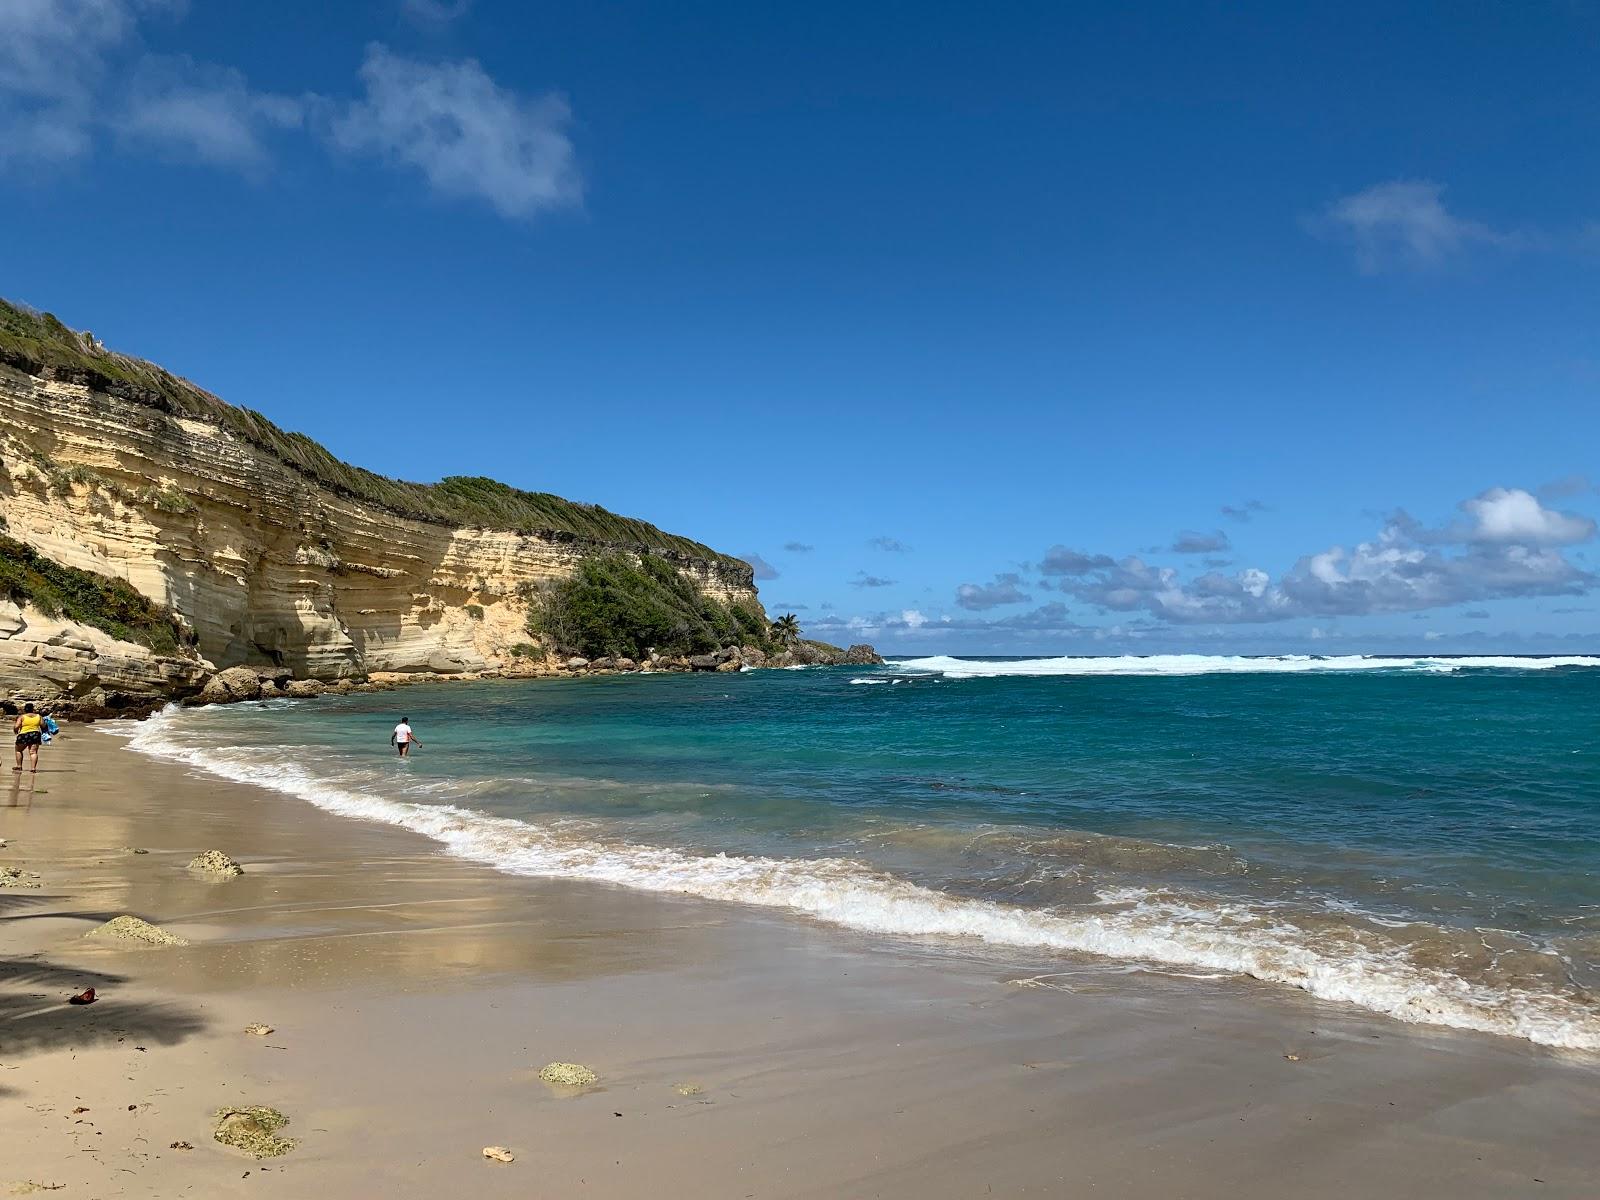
(617, 605)
(112, 605)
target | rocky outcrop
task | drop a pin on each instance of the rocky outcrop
(90, 671)
(235, 683)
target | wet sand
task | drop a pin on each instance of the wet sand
(414, 999)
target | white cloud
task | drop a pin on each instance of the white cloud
(1405, 223)
(1507, 546)
(209, 114)
(1513, 516)
(52, 65)
(466, 134)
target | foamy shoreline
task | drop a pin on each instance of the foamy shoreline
(414, 998)
(1155, 930)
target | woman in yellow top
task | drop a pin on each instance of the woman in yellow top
(29, 728)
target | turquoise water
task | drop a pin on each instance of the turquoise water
(1415, 836)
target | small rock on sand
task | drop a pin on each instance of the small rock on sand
(254, 1130)
(499, 1154)
(16, 877)
(132, 929)
(687, 1089)
(565, 1074)
(215, 862)
(258, 1029)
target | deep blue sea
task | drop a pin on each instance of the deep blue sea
(1414, 836)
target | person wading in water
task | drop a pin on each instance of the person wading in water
(401, 739)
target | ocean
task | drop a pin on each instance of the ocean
(1414, 836)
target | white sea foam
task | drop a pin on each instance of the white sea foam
(1224, 664)
(1155, 928)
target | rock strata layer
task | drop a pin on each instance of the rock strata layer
(276, 573)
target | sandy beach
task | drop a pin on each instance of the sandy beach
(414, 998)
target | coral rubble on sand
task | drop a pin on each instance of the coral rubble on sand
(253, 1129)
(215, 862)
(18, 878)
(566, 1074)
(132, 929)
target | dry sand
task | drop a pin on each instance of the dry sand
(413, 1000)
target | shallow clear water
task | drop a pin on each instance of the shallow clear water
(1416, 836)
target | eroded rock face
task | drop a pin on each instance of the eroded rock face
(273, 570)
(44, 656)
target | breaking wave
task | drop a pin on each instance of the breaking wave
(1228, 664)
(1506, 987)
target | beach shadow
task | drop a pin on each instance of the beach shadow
(35, 1015)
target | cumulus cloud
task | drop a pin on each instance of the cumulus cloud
(1189, 541)
(888, 544)
(193, 111)
(1501, 516)
(1059, 560)
(53, 63)
(1506, 545)
(1404, 223)
(1005, 589)
(798, 547)
(466, 134)
(863, 580)
(1244, 511)
(762, 568)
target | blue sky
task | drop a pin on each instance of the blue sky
(995, 310)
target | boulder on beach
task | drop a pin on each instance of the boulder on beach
(577, 663)
(230, 685)
(215, 862)
(254, 1130)
(304, 689)
(565, 1074)
(132, 929)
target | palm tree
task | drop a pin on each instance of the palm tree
(786, 629)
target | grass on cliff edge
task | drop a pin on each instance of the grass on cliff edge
(615, 605)
(36, 342)
(111, 605)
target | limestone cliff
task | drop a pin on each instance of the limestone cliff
(274, 553)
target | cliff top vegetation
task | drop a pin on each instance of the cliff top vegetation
(38, 343)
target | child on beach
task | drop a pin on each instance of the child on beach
(401, 739)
